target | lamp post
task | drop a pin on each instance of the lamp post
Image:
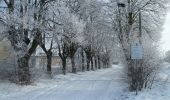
(133, 52)
(140, 27)
(122, 5)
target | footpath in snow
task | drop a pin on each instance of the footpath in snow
(105, 84)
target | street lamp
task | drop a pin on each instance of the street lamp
(121, 5)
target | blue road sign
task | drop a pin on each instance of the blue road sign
(136, 51)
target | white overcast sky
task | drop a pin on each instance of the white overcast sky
(166, 34)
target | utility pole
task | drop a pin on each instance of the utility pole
(120, 34)
(140, 27)
(120, 5)
(132, 48)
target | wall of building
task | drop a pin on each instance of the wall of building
(7, 59)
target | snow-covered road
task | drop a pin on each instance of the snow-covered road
(103, 84)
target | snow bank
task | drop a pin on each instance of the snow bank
(160, 89)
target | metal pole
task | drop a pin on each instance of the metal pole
(120, 26)
(140, 25)
(120, 5)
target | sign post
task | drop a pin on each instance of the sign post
(136, 56)
(136, 51)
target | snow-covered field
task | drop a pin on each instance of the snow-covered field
(105, 84)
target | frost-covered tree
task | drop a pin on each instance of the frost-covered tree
(133, 28)
(23, 19)
(47, 33)
(67, 32)
(97, 28)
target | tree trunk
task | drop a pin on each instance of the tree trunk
(64, 66)
(95, 61)
(82, 55)
(23, 63)
(74, 70)
(99, 64)
(92, 64)
(49, 62)
(23, 71)
(88, 64)
(88, 55)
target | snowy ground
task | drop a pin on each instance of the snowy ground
(105, 84)
(160, 89)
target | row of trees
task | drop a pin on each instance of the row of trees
(67, 25)
(93, 27)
